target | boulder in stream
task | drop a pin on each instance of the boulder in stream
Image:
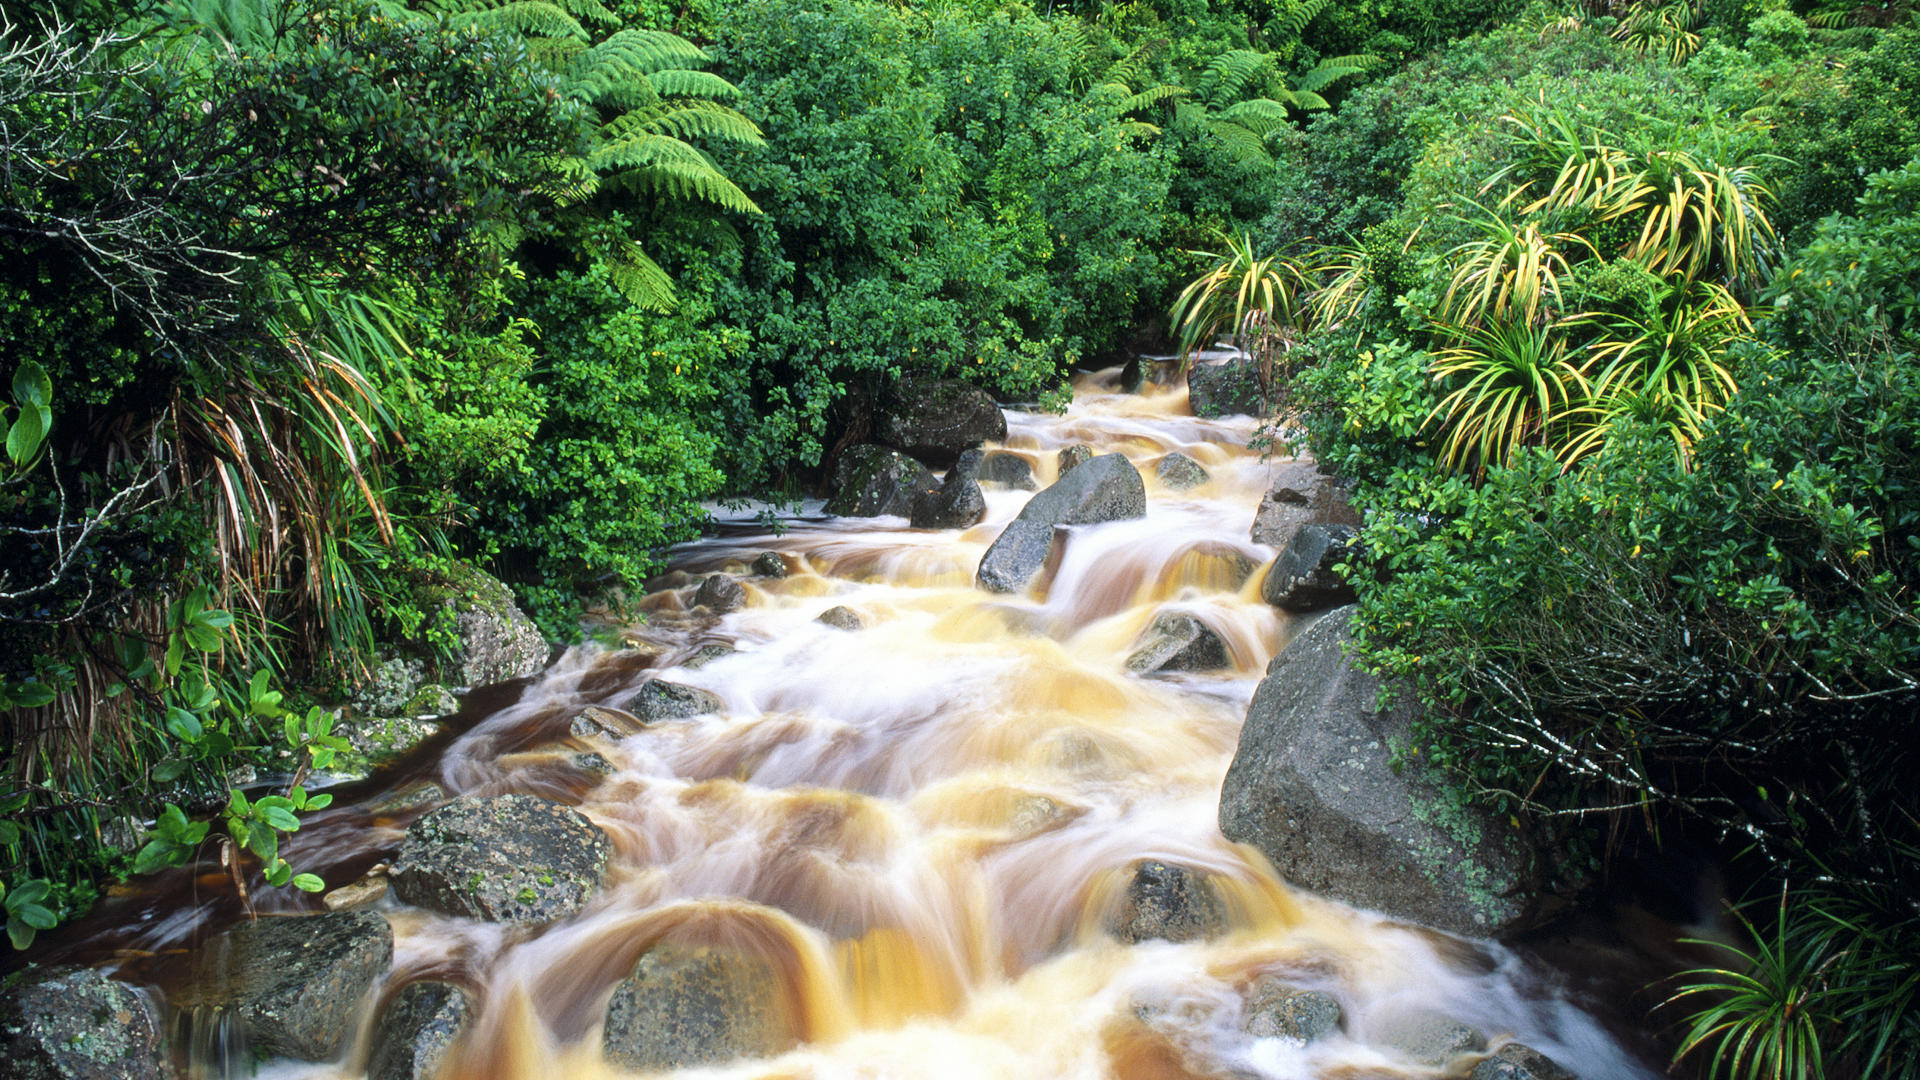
(1007, 470)
(1315, 786)
(1072, 457)
(76, 1023)
(720, 593)
(879, 481)
(416, 1029)
(294, 981)
(687, 1005)
(1427, 1038)
(1178, 472)
(840, 618)
(513, 858)
(1303, 578)
(1106, 488)
(1177, 642)
(660, 701)
(595, 722)
(1277, 1009)
(956, 504)
(707, 654)
(934, 420)
(1300, 494)
(769, 564)
(495, 640)
(1168, 902)
(1225, 387)
(1518, 1061)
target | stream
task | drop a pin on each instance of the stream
(922, 826)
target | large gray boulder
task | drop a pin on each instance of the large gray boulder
(514, 858)
(879, 481)
(1278, 1009)
(1178, 472)
(1427, 1038)
(687, 1005)
(1303, 578)
(1225, 388)
(1007, 470)
(1518, 1061)
(935, 419)
(295, 982)
(416, 1030)
(494, 639)
(1106, 488)
(1300, 494)
(720, 593)
(72, 1023)
(1315, 787)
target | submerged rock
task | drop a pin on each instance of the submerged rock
(1072, 457)
(513, 858)
(1225, 388)
(1168, 902)
(74, 1023)
(1107, 488)
(770, 564)
(707, 654)
(840, 618)
(936, 419)
(1428, 1039)
(1518, 1061)
(687, 1005)
(1277, 1009)
(1178, 472)
(295, 982)
(720, 593)
(1177, 642)
(416, 1029)
(595, 722)
(1315, 787)
(659, 701)
(369, 890)
(1007, 470)
(1303, 578)
(879, 481)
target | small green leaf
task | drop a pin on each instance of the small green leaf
(35, 916)
(202, 638)
(176, 652)
(31, 694)
(280, 819)
(308, 883)
(30, 891)
(319, 802)
(169, 770)
(31, 386)
(237, 803)
(20, 933)
(13, 802)
(172, 819)
(278, 873)
(266, 844)
(9, 833)
(23, 440)
(215, 619)
(184, 725)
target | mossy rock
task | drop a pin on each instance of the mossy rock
(514, 858)
(73, 1023)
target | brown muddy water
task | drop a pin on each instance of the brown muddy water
(920, 824)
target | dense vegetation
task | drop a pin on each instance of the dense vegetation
(1609, 312)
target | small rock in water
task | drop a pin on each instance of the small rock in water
(416, 1029)
(295, 982)
(688, 1005)
(1133, 375)
(365, 892)
(770, 564)
(1179, 472)
(660, 700)
(599, 723)
(72, 1023)
(956, 504)
(1303, 578)
(1277, 1009)
(592, 764)
(409, 797)
(1429, 1039)
(720, 594)
(841, 618)
(1167, 902)
(513, 858)
(707, 654)
(1177, 642)
(1072, 456)
(386, 737)
(1518, 1061)
(1007, 470)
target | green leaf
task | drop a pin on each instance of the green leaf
(9, 833)
(30, 891)
(266, 844)
(215, 618)
(308, 883)
(35, 916)
(169, 770)
(184, 725)
(176, 652)
(20, 933)
(202, 638)
(31, 386)
(278, 872)
(217, 744)
(280, 818)
(31, 694)
(155, 855)
(241, 832)
(23, 440)
(319, 802)
(293, 731)
(13, 802)
(237, 803)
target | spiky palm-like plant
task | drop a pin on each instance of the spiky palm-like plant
(1511, 273)
(1242, 296)
(1665, 367)
(1669, 29)
(1513, 382)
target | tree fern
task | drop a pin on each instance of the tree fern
(1230, 75)
(1331, 70)
(529, 18)
(1297, 14)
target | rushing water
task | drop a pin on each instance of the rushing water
(921, 824)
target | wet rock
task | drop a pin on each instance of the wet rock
(1167, 902)
(514, 858)
(388, 686)
(1300, 494)
(295, 982)
(592, 764)
(1276, 1009)
(600, 723)
(1007, 470)
(1314, 786)
(495, 641)
(707, 654)
(770, 564)
(1427, 1038)
(957, 503)
(1303, 578)
(410, 797)
(840, 618)
(660, 701)
(363, 893)
(720, 594)
(688, 1005)
(934, 420)
(1177, 642)
(1518, 1061)
(1106, 488)
(1178, 472)
(1133, 375)
(72, 1023)
(1225, 388)
(1035, 813)
(416, 1029)
(1072, 457)
(387, 737)
(879, 481)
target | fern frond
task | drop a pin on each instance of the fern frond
(680, 82)
(641, 280)
(1298, 14)
(1229, 74)
(1307, 100)
(1137, 66)
(650, 51)
(662, 163)
(695, 119)
(1136, 129)
(1246, 145)
(529, 18)
(1151, 96)
(1329, 71)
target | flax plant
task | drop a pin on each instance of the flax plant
(1518, 382)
